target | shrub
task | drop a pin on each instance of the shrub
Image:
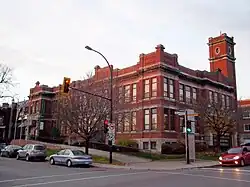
(174, 148)
(127, 143)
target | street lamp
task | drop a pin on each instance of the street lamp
(111, 95)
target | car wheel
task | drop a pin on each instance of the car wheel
(242, 162)
(52, 161)
(8, 154)
(69, 163)
(27, 158)
(17, 157)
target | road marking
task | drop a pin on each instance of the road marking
(236, 171)
(205, 176)
(226, 169)
(49, 176)
(80, 179)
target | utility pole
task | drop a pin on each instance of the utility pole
(10, 120)
(186, 137)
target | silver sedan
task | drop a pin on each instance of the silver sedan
(70, 157)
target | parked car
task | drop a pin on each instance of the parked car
(235, 156)
(2, 146)
(70, 157)
(10, 151)
(32, 151)
(246, 145)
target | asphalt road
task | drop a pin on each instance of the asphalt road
(24, 174)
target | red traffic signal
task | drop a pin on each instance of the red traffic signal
(106, 122)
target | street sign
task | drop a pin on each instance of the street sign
(180, 113)
(194, 114)
(111, 133)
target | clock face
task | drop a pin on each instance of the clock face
(217, 50)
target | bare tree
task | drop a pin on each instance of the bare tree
(218, 119)
(6, 80)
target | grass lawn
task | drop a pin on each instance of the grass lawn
(96, 159)
(160, 157)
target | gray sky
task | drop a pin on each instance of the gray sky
(44, 39)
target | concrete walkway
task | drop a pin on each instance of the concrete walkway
(160, 165)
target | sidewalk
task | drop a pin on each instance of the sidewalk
(160, 165)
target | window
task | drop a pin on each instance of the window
(154, 87)
(182, 123)
(194, 95)
(127, 93)
(215, 97)
(210, 96)
(246, 114)
(153, 145)
(227, 102)
(246, 127)
(154, 119)
(134, 92)
(145, 145)
(172, 119)
(171, 88)
(223, 104)
(146, 119)
(133, 125)
(120, 90)
(126, 123)
(188, 94)
(168, 88)
(146, 88)
(181, 92)
(119, 123)
(166, 123)
(165, 85)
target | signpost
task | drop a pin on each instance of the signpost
(189, 136)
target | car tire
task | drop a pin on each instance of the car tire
(69, 163)
(17, 157)
(8, 155)
(27, 158)
(51, 161)
(242, 163)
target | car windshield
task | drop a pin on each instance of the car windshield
(78, 152)
(39, 147)
(234, 150)
(15, 147)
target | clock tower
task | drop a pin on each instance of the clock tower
(222, 56)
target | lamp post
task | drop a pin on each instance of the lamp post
(111, 95)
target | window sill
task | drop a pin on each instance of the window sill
(169, 130)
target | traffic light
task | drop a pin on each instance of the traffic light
(189, 127)
(106, 124)
(66, 84)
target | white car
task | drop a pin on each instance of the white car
(70, 157)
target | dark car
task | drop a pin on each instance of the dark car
(237, 156)
(2, 146)
(10, 151)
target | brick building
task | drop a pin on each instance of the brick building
(244, 127)
(153, 89)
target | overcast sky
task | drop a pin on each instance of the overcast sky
(43, 40)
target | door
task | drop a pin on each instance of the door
(65, 156)
(22, 153)
(58, 156)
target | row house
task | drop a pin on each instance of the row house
(152, 90)
(244, 127)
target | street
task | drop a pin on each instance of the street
(23, 174)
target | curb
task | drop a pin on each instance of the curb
(149, 169)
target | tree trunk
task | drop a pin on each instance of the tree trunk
(87, 146)
(217, 146)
